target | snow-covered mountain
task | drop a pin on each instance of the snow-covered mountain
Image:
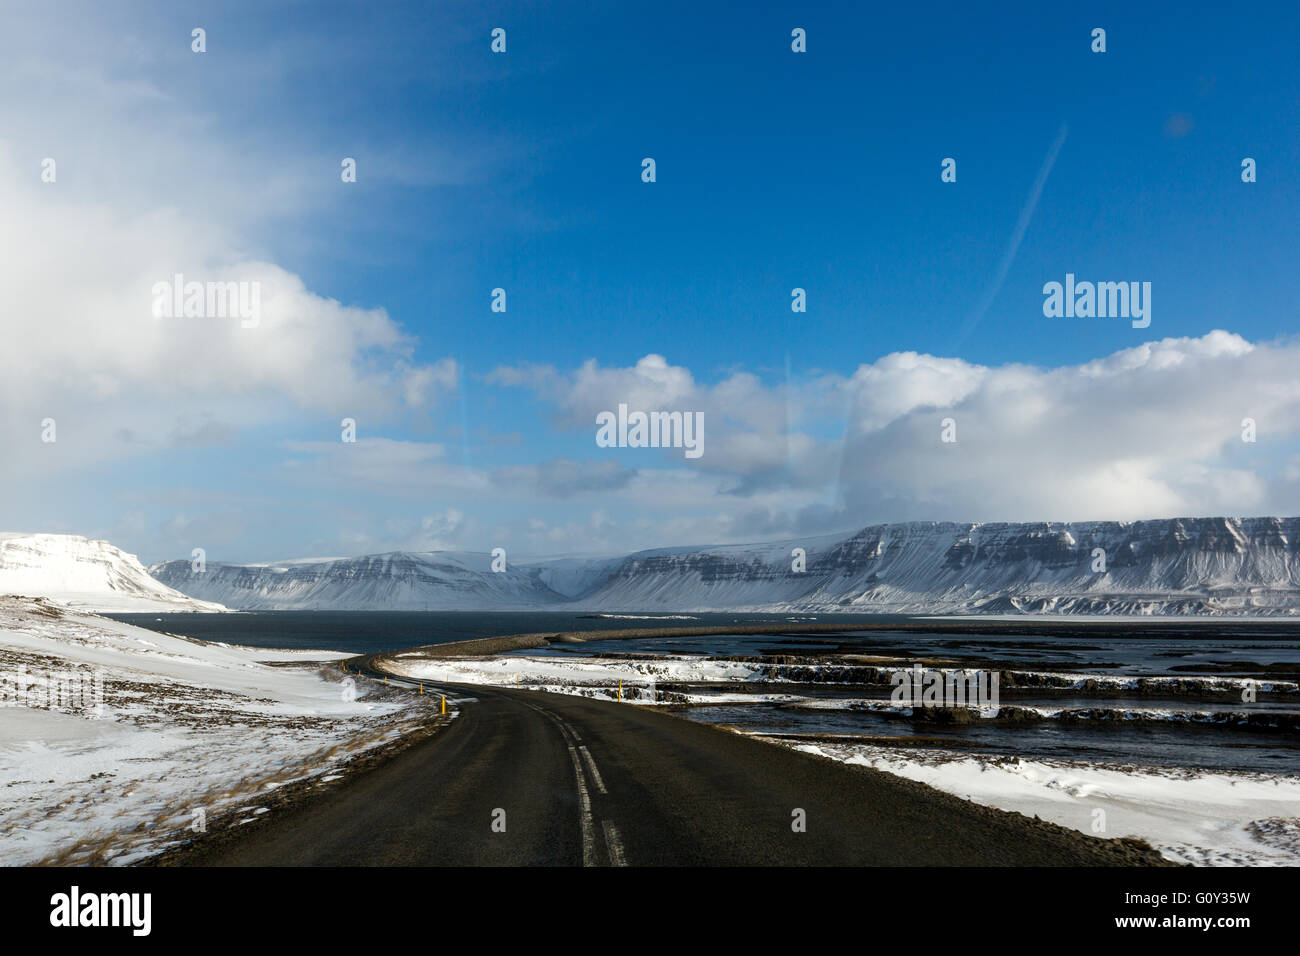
(397, 581)
(1169, 566)
(83, 573)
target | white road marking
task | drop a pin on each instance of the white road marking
(591, 767)
(584, 801)
(614, 844)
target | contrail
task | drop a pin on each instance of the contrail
(1022, 225)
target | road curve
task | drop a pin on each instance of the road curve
(574, 781)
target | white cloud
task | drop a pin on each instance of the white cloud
(905, 381)
(1148, 431)
(149, 184)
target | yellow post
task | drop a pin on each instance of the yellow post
(385, 680)
(444, 703)
(421, 690)
(620, 690)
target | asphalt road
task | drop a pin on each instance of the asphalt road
(526, 778)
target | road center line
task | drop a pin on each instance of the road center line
(584, 798)
(584, 803)
(614, 844)
(591, 768)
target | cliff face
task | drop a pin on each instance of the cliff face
(1187, 565)
(1173, 566)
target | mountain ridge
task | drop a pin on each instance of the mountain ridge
(1179, 566)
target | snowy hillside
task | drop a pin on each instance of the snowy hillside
(1201, 566)
(82, 573)
(113, 738)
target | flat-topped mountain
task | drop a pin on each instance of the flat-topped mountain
(1166, 566)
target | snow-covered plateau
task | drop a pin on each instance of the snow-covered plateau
(115, 739)
(1175, 566)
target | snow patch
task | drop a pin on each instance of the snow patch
(1199, 817)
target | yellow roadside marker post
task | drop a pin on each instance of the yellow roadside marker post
(421, 690)
(444, 703)
(620, 690)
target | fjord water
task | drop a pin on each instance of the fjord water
(369, 632)
(1192, 648)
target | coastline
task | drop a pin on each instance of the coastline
(484, 646)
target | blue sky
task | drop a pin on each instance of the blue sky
(521, 170)
(820, 171)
